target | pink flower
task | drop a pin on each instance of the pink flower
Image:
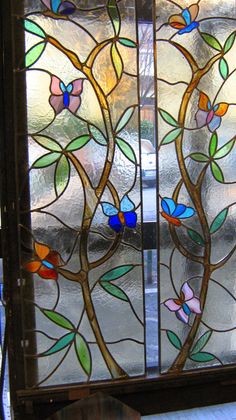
(185, 305)
(65, 96)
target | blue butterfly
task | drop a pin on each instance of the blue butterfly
(172, 211)
(60, 7)
(185, 21)
(124, 216)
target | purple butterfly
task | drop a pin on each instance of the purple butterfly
(65, 96)
(60, 7)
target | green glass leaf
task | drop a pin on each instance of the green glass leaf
(196, 237)
(78, 143)
(58, 319)
(212, 41)
(83, 354)
(223, 68)
(34, 53)
(48, 143)
(46, 160)
(127, 42)
(34, 28)
(213, 144)
(202, 357)
(224, 150)
(117, 61)
(229, 42)
(171, 136)
(124, 119)
(60, 344)
(126, 149)
(97, 135)
(201, 342)
(117, 272)
(168, 118)
(219, 221)
(199, 157)
(174, 339)
(114, 291)
(114, 15)
(62, 175)
(217, 172)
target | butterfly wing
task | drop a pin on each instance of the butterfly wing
(180, 208)
(188, 212)
(222, 109)
(56, 85)
(41, 250)
(187, 17)
(55, 5)
(204, 102)
(66, 8)
(108, 209)
(130, 219)
(126, 204)
(214, 124)
(77, 86)
(193, 10)
(115, 223)
(177, 22)
(46, 3)
(168, 206)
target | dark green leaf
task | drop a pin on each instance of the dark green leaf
(212, 41)
(58, 319)
(224, 150)
(46, 160)
(114, 290)
(174, 339)
(117, 272)
(62, 175)
(60, 344)
(48, 143)
(168, 118)
(202, 357)
(97, 135)
(196, 237)
(78, 143)
(126, 149)
(171, 136)
(124, 119)
(217, 172)
(34, 28)
(114, 14)
(117, 61)
(213, 144)
(201, 342)
(223, 68)
(199, 157)
(34, 53)
(229, 42)
(83, 354)
(219, 220)
(127, 42)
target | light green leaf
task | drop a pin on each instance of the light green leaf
(117, 61)
(217, 172)
(78, 143)
(124, 119)
(34, 53)
(174, 339)
(48, 143)
(83, 354)
(229, 42)
(34, 28)
(171, 136)
(168, 118)
(213, 144)
(212, 41)
(223, 68)
(196, 237)
(58, 319)
(202, 357)
(201, 342)
(219, 221)
(114, 15)
(46, 160)
(97, 135)
(62, 175)
(117, 272)
(127, 42)
(224, 150)
(60, 344)
(114, 291)
(199, 157)
(126, 149)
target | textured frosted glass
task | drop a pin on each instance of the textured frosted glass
(82, 258)
(196, 104)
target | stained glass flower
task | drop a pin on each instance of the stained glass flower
(122, 216)
(65, 96)
(185, 21)
(60, 7)
(209, 114)
(45, 262)
(186, 304)
(174, 212)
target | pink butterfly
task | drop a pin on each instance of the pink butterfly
(65, 96)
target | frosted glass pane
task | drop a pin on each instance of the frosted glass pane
(196, 135)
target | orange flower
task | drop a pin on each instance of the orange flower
(45, 262)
